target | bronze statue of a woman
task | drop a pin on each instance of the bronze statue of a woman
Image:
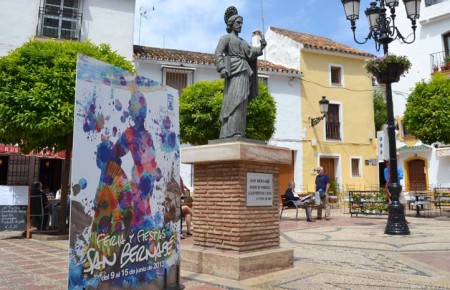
(236, 61)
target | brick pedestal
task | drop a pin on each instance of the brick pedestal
(228, 234)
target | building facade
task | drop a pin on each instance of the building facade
(179, 68)
(344, 141)
(99, 21)
(425, 165)
(297, 76)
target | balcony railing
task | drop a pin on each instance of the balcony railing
(433, 2)
(333, 130)
(437, 61)
(57, 23)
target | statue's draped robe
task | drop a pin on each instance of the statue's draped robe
(239, 58)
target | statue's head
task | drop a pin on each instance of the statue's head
(231, 23)
(231, 15)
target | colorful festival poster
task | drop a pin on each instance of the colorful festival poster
(124, 210)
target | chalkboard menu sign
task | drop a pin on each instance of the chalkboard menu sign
(13, 217)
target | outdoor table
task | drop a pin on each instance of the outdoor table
(421, 199)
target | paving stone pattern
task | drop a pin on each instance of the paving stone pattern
(343, 253)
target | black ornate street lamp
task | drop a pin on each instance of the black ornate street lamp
(323, 104)
(382, 30)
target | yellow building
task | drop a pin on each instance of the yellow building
(344, 142)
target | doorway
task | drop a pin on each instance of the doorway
(416, 175)
(4, 162)
(329, 166)
(50, 173)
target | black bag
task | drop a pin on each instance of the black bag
(322, 194)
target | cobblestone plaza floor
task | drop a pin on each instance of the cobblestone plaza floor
(343, 253)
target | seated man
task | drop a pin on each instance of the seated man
(290, 194)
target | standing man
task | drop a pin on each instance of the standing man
(236, 62)
(322, 188)
(291, 195)
(387, 178)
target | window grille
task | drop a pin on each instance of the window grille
(60, 19)
(22, 170)
(433, 2)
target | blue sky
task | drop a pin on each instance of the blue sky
(197, 25)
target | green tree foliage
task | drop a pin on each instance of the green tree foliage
(380, 110)
(200, 105)
(427, 110)
(37, 95)
(37, 91)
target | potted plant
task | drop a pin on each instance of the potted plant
(435, 68)
(388, 68)
(446, 63)
(333, 191)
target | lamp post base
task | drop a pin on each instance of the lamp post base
(396, 221)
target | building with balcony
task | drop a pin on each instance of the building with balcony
(424, 165)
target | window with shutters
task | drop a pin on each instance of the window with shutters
(333, 124)
(356, 166)
(177, 78)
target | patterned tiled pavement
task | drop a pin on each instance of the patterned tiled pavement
(343, 253)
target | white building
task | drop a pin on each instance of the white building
(424, 165)
(178, 68)
(348, 155)
(100, 21)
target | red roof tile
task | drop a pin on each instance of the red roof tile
(191, 57)
(318, 42)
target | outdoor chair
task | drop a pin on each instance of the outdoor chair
(37, 209)
(288, 204)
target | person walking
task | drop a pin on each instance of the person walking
(323, 183)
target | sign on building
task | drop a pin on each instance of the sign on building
(383, 144)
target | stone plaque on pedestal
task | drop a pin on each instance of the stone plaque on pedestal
(231, 239)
